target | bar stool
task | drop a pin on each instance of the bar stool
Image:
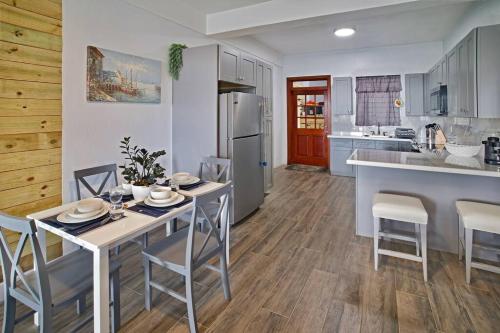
(481, 217)
(404, 209)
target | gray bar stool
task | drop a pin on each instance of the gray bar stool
(404, 209)
(475, 216)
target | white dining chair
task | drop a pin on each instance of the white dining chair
(189, 249)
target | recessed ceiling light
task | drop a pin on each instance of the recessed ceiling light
(344, 32)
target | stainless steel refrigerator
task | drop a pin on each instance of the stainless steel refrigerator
(240, 139)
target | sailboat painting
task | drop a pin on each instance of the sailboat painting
(118, 77)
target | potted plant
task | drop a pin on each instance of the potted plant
(140, 169)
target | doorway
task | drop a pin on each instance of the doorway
(308, 120)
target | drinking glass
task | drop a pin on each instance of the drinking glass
(116, 207)
(173, 185)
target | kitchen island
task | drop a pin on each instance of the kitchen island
(439, 180)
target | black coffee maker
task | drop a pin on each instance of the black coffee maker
(492, 150)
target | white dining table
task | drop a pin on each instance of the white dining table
(106, 237)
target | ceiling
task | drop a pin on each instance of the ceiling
(372, 30)
(214, 6)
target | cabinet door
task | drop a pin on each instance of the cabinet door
(268, 90)
(488, 71)
(462, 78)
(248, 70)
(443, 71)
(342, 95)
(427, 94)
(229, 64)
(414, 95)
(452, 65)
(268, 153)
(259, 85)
(470, 108)
(338, 164)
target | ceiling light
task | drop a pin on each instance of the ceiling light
(344, 32)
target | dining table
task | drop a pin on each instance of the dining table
(101, 239)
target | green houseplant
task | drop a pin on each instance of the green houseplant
(140, 168)
(175, 60)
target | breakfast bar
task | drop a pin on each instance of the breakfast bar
(438, 179)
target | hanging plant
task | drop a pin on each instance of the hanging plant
(175, 59)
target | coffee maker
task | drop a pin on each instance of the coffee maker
(492, 150)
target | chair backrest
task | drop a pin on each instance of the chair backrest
(37, 293)
(217, 223)
(109, 169)
(215, 169)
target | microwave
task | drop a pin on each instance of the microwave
(439, 101)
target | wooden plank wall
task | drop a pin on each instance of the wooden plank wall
(30, 109)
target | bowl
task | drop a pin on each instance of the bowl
(181, 176)
(462, 150)
(89, 205)
(127, 186)
(160, 193)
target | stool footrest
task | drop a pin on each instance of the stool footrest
(485, 267)
(402, 237)
(401, 255)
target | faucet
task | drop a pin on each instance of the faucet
(378, 126)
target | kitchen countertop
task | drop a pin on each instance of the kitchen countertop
(443, 162)
(360, 136)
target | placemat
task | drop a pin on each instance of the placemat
(80, 228)
(186, 187)
(142, 208)
(125, 198)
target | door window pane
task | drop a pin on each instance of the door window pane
(319, 83)
(300, 111)
(310, 123)
(310, 100)
(310, 111)
(319, 111)
(320, 99)
(301, 100)
(320, 123)
(301, 123)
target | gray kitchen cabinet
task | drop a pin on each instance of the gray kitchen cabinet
(342, 96)
(268, 153)
(387, 145)
(414, 95)
(443, 71)
(267, 91)
(363, 144)
(434, 77)
(427, 95)
(452, 66)
(259, 85)
(467, 76)
(338, 161)
(405, 146)
(237, 67)
(488, 71)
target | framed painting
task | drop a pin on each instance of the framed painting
(117, 77)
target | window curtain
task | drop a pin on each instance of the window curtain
(375, 96)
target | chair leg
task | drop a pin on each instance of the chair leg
(45, 318)
(9, 314)
(81, 304)
(225, 276)
(193, 327)
(227, 244)
(423, 241)
(145, 240)
(468, 253)
(147, 287)
(376, 228)
(417, 236)
(115, 297)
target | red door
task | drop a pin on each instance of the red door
(308, 120)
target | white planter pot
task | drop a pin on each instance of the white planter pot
(140, 192)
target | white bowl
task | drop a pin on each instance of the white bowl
(160, 193)
(181, 176)
(89, 205)
(127, 186)
(462, 150)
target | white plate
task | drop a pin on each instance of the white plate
(179, 199)
(65, 218)
(126, 191)
(192, 180)
(172, 197)
(75, 213)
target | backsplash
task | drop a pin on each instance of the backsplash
(347, 123)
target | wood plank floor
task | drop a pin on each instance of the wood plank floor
(296, 266)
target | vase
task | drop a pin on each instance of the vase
(140, 192)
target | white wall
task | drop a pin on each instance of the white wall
(485, 12)
(92, 131)
(413, 58)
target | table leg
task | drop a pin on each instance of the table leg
(42, 240)
(101, 290)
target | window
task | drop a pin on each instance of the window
(375, 97)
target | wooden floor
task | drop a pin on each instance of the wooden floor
(296, 266)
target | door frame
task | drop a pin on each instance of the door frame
(291, 112)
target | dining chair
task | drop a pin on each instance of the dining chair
(51, 286)
(108, 170)
(215, 169)
(189, 249)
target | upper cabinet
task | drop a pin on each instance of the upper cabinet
(466, 51)
(237, 67)
(488, 72)
(414, 95)
(264, 86)
(452, 67)
(342, 96)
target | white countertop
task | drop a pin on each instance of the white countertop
(424, 162)
(359, 135)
